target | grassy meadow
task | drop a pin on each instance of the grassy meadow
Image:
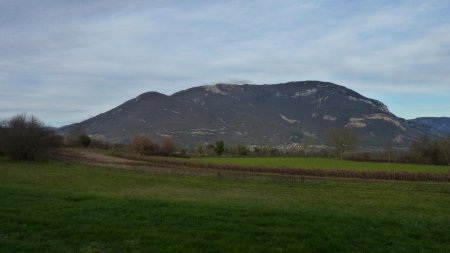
(321, 163)
(55, 207)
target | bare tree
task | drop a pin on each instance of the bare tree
(200, 149)
(167, 146)
(343, 140)
(388, 149)
(141, 144)
(307, 141)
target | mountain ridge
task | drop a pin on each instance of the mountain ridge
(441, 124)
(250, 114)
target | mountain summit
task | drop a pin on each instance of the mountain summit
(294, 112)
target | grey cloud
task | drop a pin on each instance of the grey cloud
(88, 56)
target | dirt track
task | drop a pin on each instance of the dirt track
(96, 159)
(72, 155)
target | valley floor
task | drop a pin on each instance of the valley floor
(71, 207)
(324, 163)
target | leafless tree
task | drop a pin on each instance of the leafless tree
(167, 146)
(141, 144)
(388, 149)
(343, 140)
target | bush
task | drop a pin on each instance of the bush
(444, 147)
(219, 148)
(24, 138)
(2, 132)
(78, 137)
(426, 150)
(142, 145)
(167, 146)
(241, 150)
(84, 140)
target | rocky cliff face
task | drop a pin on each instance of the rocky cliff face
(294, 112)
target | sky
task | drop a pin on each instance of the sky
(65, 61)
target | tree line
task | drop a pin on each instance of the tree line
(142, 145)
(27, 138)
(429, 151)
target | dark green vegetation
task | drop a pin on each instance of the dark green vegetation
(430, 151)
(322, 163)
(53, 207)
(26, 138)
(219, 148)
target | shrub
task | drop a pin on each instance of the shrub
(78, 137)
(426, 150)
(219, 148)
(26, 138)
(84, 140)
(241, 150)
(141, 144)
(444, 146)
(2, 132)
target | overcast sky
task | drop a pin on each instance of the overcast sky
(65, 61)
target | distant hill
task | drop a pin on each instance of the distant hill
(441, 124)
(286, 113)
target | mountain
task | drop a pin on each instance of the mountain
(276, 114)
(441, 124)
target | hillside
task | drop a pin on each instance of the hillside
(441, 124)
(294, 112)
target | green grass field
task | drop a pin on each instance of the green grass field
(52, 207)
(321, 163)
